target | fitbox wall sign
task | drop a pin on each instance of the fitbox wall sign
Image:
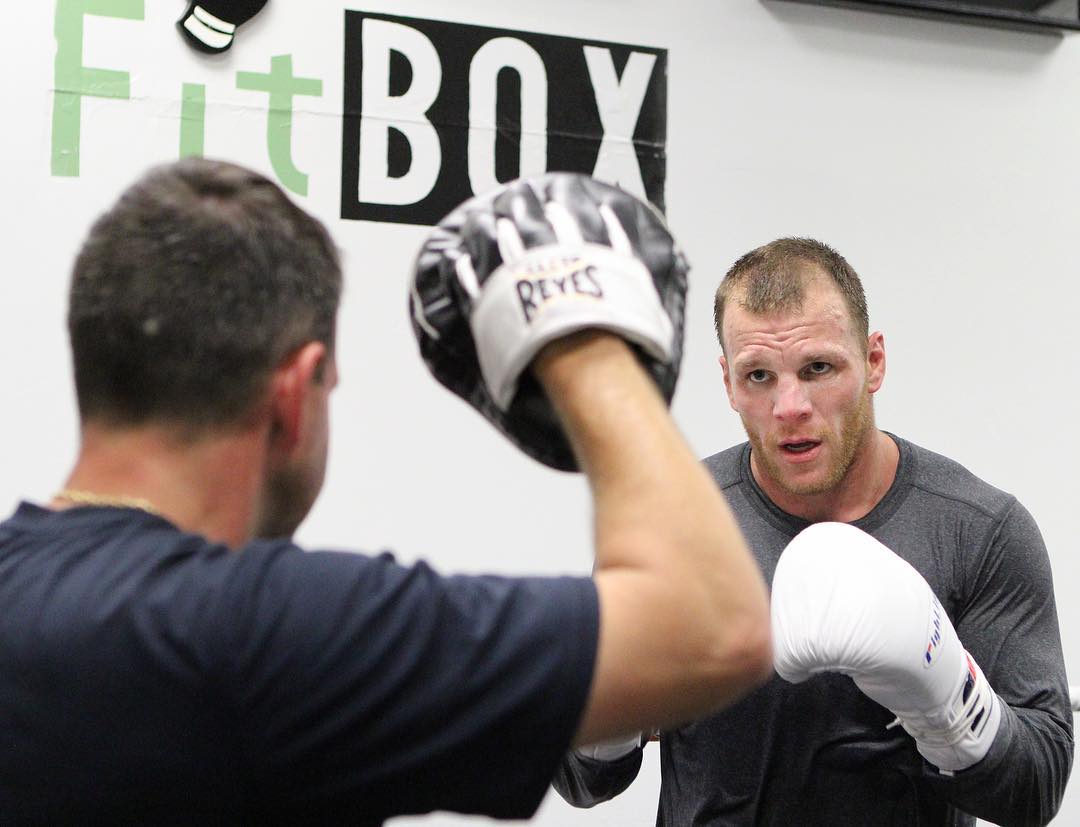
(435, 112)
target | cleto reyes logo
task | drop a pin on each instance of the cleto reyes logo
(544, 281)
(933, 644)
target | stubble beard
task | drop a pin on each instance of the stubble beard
(854, 431)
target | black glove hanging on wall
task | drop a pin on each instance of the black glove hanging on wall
(210, 25)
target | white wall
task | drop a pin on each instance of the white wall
(941, 159)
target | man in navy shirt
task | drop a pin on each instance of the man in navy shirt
(168, 655)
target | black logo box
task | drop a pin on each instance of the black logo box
(574, 128)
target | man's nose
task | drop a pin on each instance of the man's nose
(792, 402)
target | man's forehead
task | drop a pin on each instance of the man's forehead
(821, 305)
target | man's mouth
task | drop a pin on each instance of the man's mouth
(799, 446)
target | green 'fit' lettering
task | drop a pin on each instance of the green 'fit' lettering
(282, 86)
(73, 81)
(192, 119)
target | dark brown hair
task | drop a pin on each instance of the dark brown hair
(190, 290)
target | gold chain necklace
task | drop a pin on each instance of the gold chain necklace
(77, 497)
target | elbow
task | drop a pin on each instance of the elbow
(742, 654)
(763, 654)
(755, 645)
(754, 651)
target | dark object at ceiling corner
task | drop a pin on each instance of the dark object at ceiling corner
(1021, 15)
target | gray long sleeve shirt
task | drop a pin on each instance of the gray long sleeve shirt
(819, 752)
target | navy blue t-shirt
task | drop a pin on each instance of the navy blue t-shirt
(148, 675)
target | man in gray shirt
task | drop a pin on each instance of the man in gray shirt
(800, 367)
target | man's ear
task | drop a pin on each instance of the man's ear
(875, 361)
(727, 381)
(293, 382)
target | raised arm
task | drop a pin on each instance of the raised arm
(527, 277)
(683, 627)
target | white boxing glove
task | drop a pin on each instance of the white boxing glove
(843, 602)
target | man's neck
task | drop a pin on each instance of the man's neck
(868, 479)
(207, 485)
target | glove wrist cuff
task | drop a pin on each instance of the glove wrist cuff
(614, 749)
(553, 291)
(958, 735)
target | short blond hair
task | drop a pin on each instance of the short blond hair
(773, 278)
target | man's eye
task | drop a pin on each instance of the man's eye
(757, 376)
(818, 367)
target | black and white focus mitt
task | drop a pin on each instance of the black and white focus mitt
(537, 259)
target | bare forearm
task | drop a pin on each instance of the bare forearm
(684, 627)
